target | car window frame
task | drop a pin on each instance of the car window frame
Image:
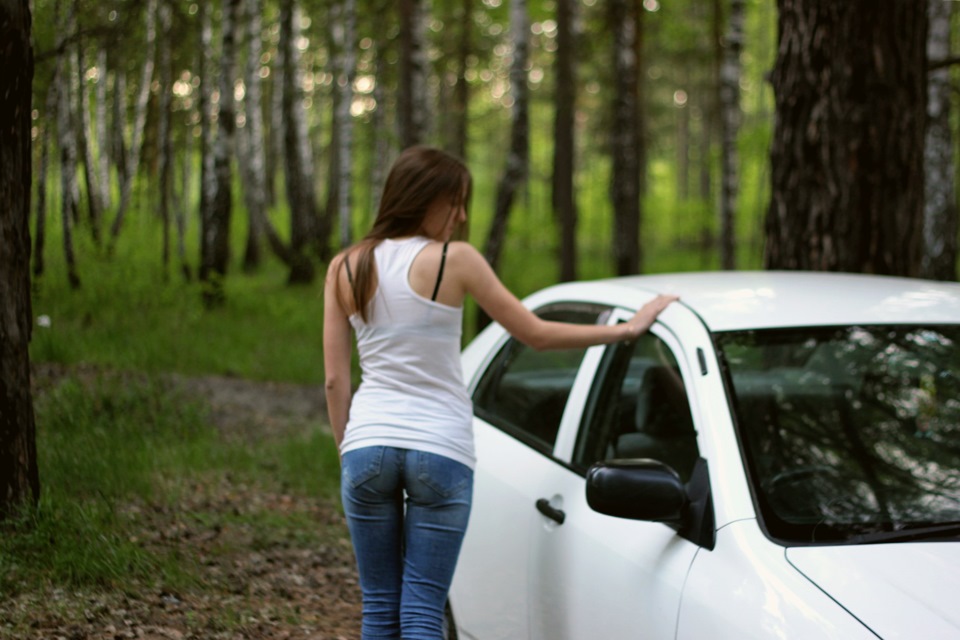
(567, 438)
(578, 389)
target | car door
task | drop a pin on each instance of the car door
(596, 576)
(520, 402)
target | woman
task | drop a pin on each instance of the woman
(405, 438)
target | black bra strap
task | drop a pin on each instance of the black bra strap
(346, 263)
(443, 261)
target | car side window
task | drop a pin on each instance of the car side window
(524, 392)
(638, 408)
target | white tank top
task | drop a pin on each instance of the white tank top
(411, 394)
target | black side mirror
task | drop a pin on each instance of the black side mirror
(640, 489)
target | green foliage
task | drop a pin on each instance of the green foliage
(128, 315)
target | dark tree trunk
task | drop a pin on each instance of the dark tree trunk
(412, 100)
(625, 134)
(461, 90)
(564, 150)
(730, 125)
(518, 156)
(847, 150)
(208, 181)
(40, 234)
(298, 163)
(19, 478)
(83, 129)
(940, 224)
(250, 139)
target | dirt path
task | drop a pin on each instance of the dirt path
(257, 583)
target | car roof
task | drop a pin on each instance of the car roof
(732, 300)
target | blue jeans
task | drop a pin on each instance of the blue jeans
(405, 556)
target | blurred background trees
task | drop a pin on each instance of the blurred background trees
(624, 136)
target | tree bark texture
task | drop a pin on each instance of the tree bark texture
(730, 73)
(19, 477)
(564, 150)
(250, 155)
(344, 35)
(518, 156)
(298, 162)
(218, 253)
(40, 230)
(940, 225)
(83, 129)
(208, 180)
(625, 134)
(412, 103)
(847, 151)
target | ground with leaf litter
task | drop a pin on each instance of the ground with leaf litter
(287, 582)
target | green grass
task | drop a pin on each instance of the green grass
(113, 451)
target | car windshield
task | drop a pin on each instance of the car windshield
(850, 434)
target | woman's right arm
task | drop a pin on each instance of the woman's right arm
(478, 279)
(336, 351)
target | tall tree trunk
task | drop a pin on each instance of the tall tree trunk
(730, 125)
(625, 133)
(298, 161)
(847, 150)
(19, 478)
(69, 192)
(181, 207)
(165, 138)
(139, 122)
(344, 35)
(40, 234)
(381, 134)
(461, 90)
(208, 180)
(250, 139)
(940, 201)
(103, 140)
(565, 149)
(412, 103)
(118, 146)
(83, 130)
(518, 157)
(218, 253)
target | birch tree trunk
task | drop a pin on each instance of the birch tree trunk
(625, 188)
(298, 161)
(412, 100)
(564, 150)
(19, 478)
(847, 149)
(83, 130)
(940, 201)
(730, 125)
(118, 146)
(250, 158)
(103, 140)
(69, 192)
(139, 122)
(218, 253)
(518, 156)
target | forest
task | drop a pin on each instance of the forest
(176, 175)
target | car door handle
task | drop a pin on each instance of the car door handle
(544, 507)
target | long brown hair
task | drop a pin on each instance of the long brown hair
(418, 177)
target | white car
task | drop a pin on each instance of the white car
(779, 457)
